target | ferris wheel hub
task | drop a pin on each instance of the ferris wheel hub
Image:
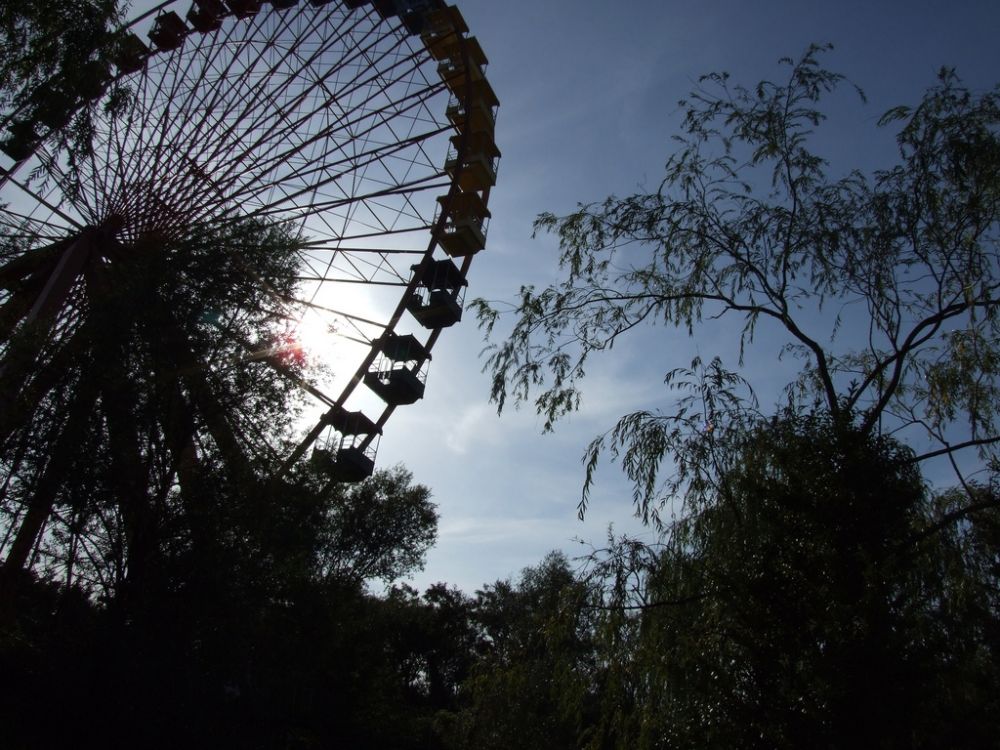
(112, 225)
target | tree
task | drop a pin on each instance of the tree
(157, 385)
(50, 50)
(534, 684)
(435, 644)
(805, 586)
(157, 564)
(380, 529)
(796, 607)
(48, 38)
(749, 223)
(817, 595)
(247, 636)
(157, 398)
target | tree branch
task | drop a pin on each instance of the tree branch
(949, 449)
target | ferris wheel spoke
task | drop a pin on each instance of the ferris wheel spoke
(363, 139)
(215, 194)
(98, 188)
(335, 158)
(159, 165)
(109, 171)
(368, 268)
(300, 195)
(227, 48)
(276, 108)
(152, 124)
(272, 159)
(320, 206)
(29, 262)
(392, 124)
(177, 112)
(159, 113)
(337, 261)
(233, 118)
(209, 104)
(139, 143)
(42, 201)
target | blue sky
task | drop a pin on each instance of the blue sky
(589, 95)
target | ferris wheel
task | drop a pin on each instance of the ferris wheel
(252, 168)
(363, 130)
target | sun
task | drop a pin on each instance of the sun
(312, 336)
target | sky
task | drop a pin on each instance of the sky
(588, 94)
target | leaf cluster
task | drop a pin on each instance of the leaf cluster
(50, 50)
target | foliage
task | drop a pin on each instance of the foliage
(533, 685)
(818, 596)
(378, 530)
(805, 587)
(48, 37)
(152, 562)
(152, 395)
(435, 644)
(240, 633)
(751, 223)
(52, 49)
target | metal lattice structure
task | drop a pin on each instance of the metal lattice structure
(363, 131)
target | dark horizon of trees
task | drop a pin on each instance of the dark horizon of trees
(824, 600)
(259, 632)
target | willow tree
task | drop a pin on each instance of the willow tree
(806, 586)
(751, 224)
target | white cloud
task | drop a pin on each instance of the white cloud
(477, 424)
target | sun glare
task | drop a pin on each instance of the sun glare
(314, 337)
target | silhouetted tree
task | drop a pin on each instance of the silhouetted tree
(50, 50)
(534, 685)
(804, 602)
(152, 404)
(803, 586)
(247, 640)
(750, 224)
(377, 530)
(164, 589)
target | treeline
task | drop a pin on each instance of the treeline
(251, 627)
(802, 585)
(821, 598)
